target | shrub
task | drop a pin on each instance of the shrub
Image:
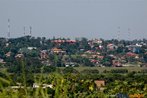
(119, 71)
(90, 71)
(49, 69)
(69, 70)
(144, 71)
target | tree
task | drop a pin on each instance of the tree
(69, 70)
(49, 69)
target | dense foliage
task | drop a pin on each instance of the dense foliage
(70, 83)
(46, 68)
(79, 52)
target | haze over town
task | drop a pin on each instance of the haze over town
(123, 19)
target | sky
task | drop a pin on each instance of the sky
(107, 19)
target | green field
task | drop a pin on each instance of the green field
(101, 69)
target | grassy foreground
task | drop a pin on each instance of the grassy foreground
(73, 85)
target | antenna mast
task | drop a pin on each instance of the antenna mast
(118, 33)
(30, 31)
(8, 28)
(24, 30)
(129, 34)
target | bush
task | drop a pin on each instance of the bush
(144, 71)
(119, 71)
(49, 69)
(106, 71)
(90, 71)
(69, 70)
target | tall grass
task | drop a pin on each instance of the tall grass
(64, 86)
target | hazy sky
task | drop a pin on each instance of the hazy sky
(75, 18)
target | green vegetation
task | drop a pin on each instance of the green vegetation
(61, 52)
(62, 68)
(109, 69)
(70, 83)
